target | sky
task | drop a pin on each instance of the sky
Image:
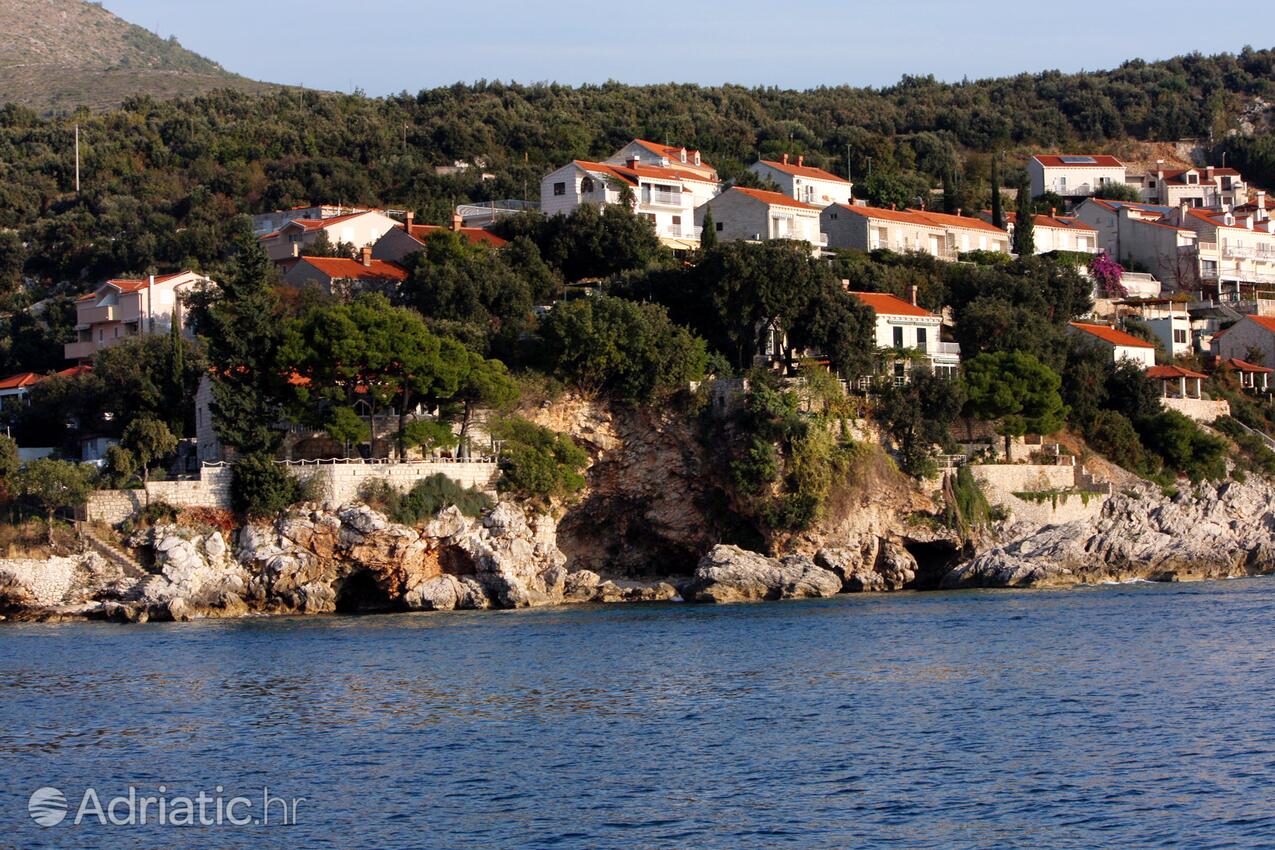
(387, 46)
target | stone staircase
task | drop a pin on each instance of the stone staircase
(1265, 438)
(113, 553)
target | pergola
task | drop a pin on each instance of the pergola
(1177, 382)
(1252, 377)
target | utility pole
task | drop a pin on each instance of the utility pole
(77, 160)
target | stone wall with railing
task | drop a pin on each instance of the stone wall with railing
(335, 482)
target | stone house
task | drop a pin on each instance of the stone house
(755, 215)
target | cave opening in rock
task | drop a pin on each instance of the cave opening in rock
(934, 559)
(360, 594)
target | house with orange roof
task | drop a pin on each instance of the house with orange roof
(401, 242)
(902, 326)
(674, 157)
(1252, 377)
(122, 308)
(756, 215)
(1202, 187)
(1232, 247)
(1182, 390)
(1120, 345)
(356, 229)
(1251, 339)
(941, 235)
(14, 388)
(1073, 175)
(803, 182)
(269, 222)
(1055, 232)
(667, 196)
(344, 277)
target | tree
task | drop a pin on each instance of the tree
(1025, 221)
(148, 440)
(998, 202)
(10, 463)
(918, 416)
(242, 330)
(53, 485)
(1118, 192)
(1017, 391)
(427, 434)
(177, 383)
(708, 233)
(346, 427)
(538, 464)
(262, 488)
(631, 351)
(484, 384)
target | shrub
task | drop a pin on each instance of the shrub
(965, 507)
(538, 464)
(424, 500)
(1113, 436)
(1184, 446)
(262, 488)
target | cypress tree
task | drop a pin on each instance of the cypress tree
(176, 374)
(998, 210)
(1025, 226)
(708, 236)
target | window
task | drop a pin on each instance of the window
(560, 188)
(898, 337)
(718, 225)
(677, 219)
(586, 186)
(1179, 337)
(920, 340)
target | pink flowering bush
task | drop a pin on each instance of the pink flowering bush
(1108, 273)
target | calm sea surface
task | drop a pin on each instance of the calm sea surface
(1132, 716)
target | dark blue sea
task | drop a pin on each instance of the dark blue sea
(1124, 716)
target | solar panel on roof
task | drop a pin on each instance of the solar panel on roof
(1078, 160)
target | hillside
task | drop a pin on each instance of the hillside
(56, 55)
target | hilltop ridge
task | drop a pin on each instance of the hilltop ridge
(58, 55)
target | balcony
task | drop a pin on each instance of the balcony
(663, 199)
(97, 315)
(79, 350)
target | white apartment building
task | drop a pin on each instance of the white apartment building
(121, 308)
(1206, 187)
(755, 215)
(1073, 175)
(666, 196)
(1055, 232)
(941, 235)
(1120, 345)
(359, 229)
(902, 325)
(805, 183)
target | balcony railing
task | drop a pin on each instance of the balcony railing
(952, 349)
(79, 350)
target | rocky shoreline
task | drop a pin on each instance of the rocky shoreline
(354, 560)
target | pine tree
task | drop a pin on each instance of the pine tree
(998, 209)
(708, 236)
(1025, 225)
(243, 336)
(176, 373)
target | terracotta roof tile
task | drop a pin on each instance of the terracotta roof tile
(1112, 336)
(804, 171)
(775, 199)
(1050, 160)
(340, 268)
(1173, 372)
(474, 235)
(884, 304)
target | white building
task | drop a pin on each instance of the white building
(122, 308)
(754, 215)
(941, 235)
(702, 178)
(1055, 232)
(358, 229)
(902, 325)
(1073, 175)
(1168, 318)
(1120, 345)
(666, 196)
(805, 183)
(263, 223)
(1195, 187)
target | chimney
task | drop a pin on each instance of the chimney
(697, 159)
(893, 207)
(1182, 213)
(1159, 169)
(801, 160)
(1209, 173)
(683, 153)
(408, 220)
(634, 161)
(912, 293)
(1261, 200)
(365, 256)
(785, 159)
(958, 212)
(150, 304)
(1053, 212)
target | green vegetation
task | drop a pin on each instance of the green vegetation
(538, 464)
(965, 507)
(424, 500)
(918, 417)
(53, 485)
(1016, 390)
(261, 488)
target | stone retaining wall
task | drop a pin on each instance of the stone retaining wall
(1001, 481)
(1200, 409)
(336, 484)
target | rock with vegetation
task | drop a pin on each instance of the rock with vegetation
(1203, 532)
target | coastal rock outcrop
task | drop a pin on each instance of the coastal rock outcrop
(1206, 531)
(731, 574)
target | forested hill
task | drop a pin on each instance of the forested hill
(163, 179)
(56, 55)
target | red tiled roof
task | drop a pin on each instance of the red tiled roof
(902, 216)
(317, 223)
(884, 304)
(1166, 372)
(1111, 335)
(804, 171)
(674, 154)
(20, 380)
(1267, 322)
(1050, 160)
(131, 285)
(74, 371)
(630, 175)
(775, 199)
(474, 235)
(1243, 365)
(1069, 222)
(1214, 218)
(968, 221)
(340, 268)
